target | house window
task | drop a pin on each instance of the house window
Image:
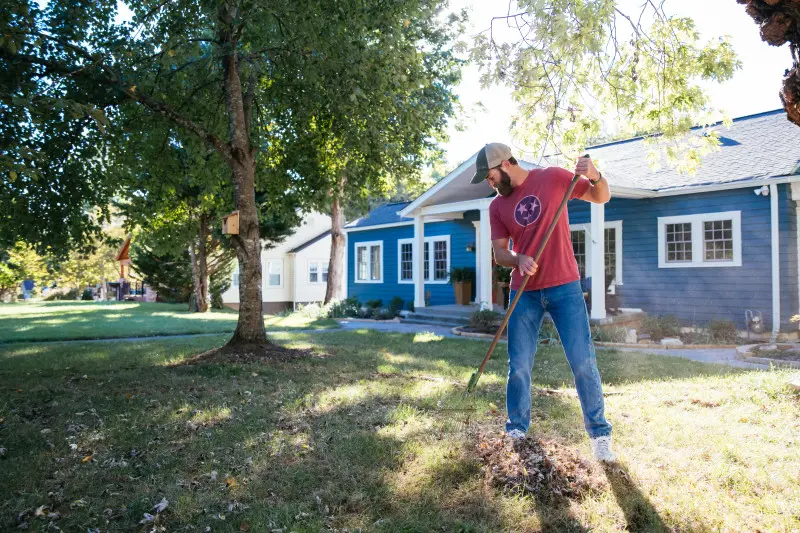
(274, 273)
(369, 259)
(435, 270)
(579, 249)
(703, 240)
(406, 261)
(679, 243)
(611, 253)
(440, 261)
(317, 272)
(718, 240)
(612, 260)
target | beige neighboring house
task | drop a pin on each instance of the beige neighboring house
(293, 272)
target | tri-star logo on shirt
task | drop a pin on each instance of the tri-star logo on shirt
(528, 210)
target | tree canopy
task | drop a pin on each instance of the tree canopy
(572, 65)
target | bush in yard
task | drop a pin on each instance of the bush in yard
(216, 301)
(87, 295)
(396, 306)
(548, 334)
(659, 327)
(349, 307)
(609, 333)
(485, 321)
(373, 304)
(723, 331)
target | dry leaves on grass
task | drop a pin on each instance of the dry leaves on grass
(543, 468)
(250, 353)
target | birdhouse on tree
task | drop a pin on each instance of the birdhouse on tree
(230, 223)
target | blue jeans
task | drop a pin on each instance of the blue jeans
(568, 310)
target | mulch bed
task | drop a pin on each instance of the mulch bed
(539, 467)
(248, 353)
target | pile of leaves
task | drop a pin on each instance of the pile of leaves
(542, 468)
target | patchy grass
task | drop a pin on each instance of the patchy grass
(371, 431)
(71, 320)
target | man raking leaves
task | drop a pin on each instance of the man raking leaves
(526, 203)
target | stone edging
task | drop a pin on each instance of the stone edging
(395, 320)
(742, 354)
(458, 331)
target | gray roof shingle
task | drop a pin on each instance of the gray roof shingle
(384, 214)
(758, 146)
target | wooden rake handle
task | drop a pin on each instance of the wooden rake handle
(474, 379)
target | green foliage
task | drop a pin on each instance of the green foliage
(349, 307)
(575, 63)
(17, 264)
(723, 331)
(548, 334)
(462, 274)
(395, 306)
(609, 333)
(485, 321)
(373, 304)
(502, 274)
(659, 327)
(87, 295)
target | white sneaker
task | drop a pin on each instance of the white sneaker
(515, 434)
(601, 448)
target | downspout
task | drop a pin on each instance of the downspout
(776, 267)
(294, 281)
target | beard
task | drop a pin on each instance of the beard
(504, 187)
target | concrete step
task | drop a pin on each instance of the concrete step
(431, 322)
(438, 317)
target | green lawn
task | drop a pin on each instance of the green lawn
(91, 320)
(373, 434)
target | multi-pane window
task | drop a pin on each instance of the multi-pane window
(368, 262)
(317, 272)
(435, 260)
(579, 249)
(701, 240)
(274, 273)
(440, 260)
(406, 261)
(679, 242)
(611, 254)
(718, 240)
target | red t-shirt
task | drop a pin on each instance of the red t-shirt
(525, 215)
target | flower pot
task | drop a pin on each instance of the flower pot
(463, 291)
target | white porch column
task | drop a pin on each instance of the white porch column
(477, 225)
(597, 267)
(418, 252)
(484, 291)
(776, 264)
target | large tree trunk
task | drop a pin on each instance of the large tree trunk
(203, 300)
(250, 328)
(336, 263)
(194, 305)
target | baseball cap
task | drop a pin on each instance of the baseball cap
(489, 157)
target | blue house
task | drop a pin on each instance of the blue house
(706, 246)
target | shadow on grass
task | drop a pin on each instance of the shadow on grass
(640, 515)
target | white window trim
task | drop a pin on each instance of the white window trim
(368, 245)
(320, 263)
(617, 225)
(430, 241)
(698, 237)
(267, 284)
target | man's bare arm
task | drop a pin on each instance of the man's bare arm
(508, 258)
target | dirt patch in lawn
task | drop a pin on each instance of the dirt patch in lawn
(543, 468)
(249, 353)
(785, 352)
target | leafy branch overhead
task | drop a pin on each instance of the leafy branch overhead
(581, 70)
